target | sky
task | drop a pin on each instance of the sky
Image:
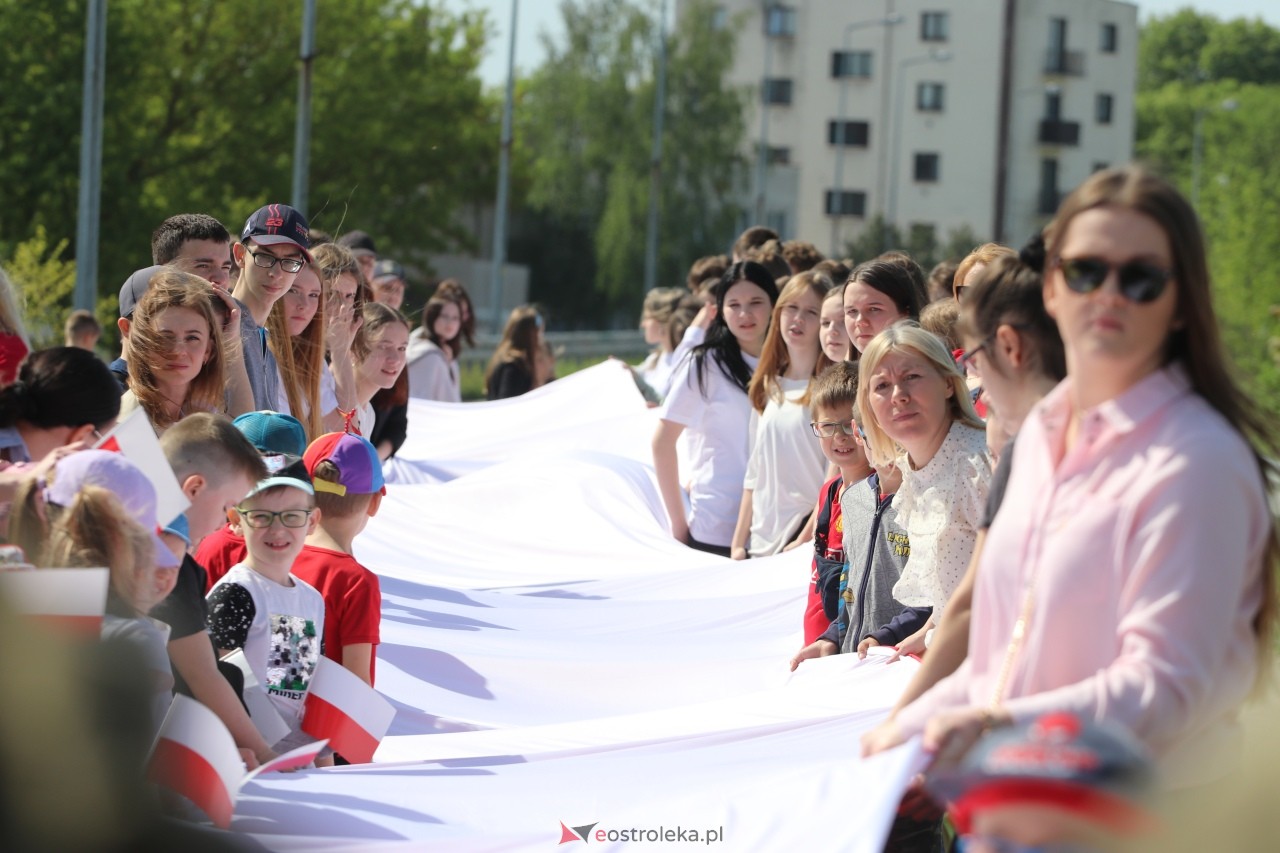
(536, 16)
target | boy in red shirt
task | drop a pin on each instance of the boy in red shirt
(347, 475)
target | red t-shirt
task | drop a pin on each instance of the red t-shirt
(815, 618)
(13, 350)
(352, 599)
(218, 552)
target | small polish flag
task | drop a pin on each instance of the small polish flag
(196, 756)
(71, 599)
(294, 759)
(134, 437)
(351, 714)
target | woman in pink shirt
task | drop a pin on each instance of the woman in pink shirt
(1130, 576)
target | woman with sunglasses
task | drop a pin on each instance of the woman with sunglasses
(1130, 576)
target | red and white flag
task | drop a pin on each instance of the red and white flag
(73, 600)
(196, 756)
(136, 440)
(351, 714)
(294, 759)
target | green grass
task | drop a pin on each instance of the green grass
(472, 378)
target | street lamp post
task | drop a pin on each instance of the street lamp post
(846, 47)
(931, 56)
(504, 180)
(1197, 146)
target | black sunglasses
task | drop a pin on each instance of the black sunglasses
(1139, 281)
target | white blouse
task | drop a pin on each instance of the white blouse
(941, 506)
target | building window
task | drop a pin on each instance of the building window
(1053, 105)
(776, 220)
(933, 26)
(848, 133)
(1109, 38)
(1103, 108)
(846, 203)
(929, 97)
(1049, 195)
(1099, 166)
(778, 156)
(777, 91)
(780, 21)
(927, 168)
(851, 63)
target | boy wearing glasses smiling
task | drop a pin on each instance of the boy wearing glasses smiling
(274, 245)
(260, 607)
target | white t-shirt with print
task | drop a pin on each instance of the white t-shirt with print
(717, 426)
(279, 628)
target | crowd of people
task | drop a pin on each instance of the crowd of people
(871, 412)
(1128, 580)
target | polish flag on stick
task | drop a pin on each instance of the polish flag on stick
(70, 599)
(351, 714)
(136, 440)
(196, 756)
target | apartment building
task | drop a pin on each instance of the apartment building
(937, 114)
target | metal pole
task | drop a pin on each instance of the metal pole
(655, 161)
(302, 132)
(1197, 152)
(88, 216)
(504, 178)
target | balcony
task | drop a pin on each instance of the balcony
(1057, 132)
(1070, 62)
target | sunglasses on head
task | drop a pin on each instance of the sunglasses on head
(1139, 281)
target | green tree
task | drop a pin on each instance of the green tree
(199, 116)
(1224, 76)
(583, 148)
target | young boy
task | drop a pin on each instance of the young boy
(876, 547)
(274, 245)
(831, 402)
(347, 476)
(260, 607)
(216, 466)
(278, 439)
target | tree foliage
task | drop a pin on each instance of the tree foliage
(200, 109)
(1226, 76)
(585, 125)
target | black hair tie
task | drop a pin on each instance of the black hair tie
(1033, 253)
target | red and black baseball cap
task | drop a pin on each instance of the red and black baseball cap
(1096, 771)
(278, 224)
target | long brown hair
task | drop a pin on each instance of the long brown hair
(519, 341)
(172, 288)
(451, 288)
(1196, 342)
(434, 307)
(775, 359)
(301, 358)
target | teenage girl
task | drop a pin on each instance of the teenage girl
(660, 305)
(513, 370)
(831, 329)
(379, 352)
(344, 293)
(785, 468)
(878, 294)
(176, 351)
(708, 397)
(433, 352)
(296, 330)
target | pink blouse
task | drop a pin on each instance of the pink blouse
(1145, 545)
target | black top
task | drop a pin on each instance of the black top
(509, 379)
(185, 610)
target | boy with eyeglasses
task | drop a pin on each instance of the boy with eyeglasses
(274, 245)
(875, 546)
(260, 607)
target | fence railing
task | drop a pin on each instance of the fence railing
(624, 343)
